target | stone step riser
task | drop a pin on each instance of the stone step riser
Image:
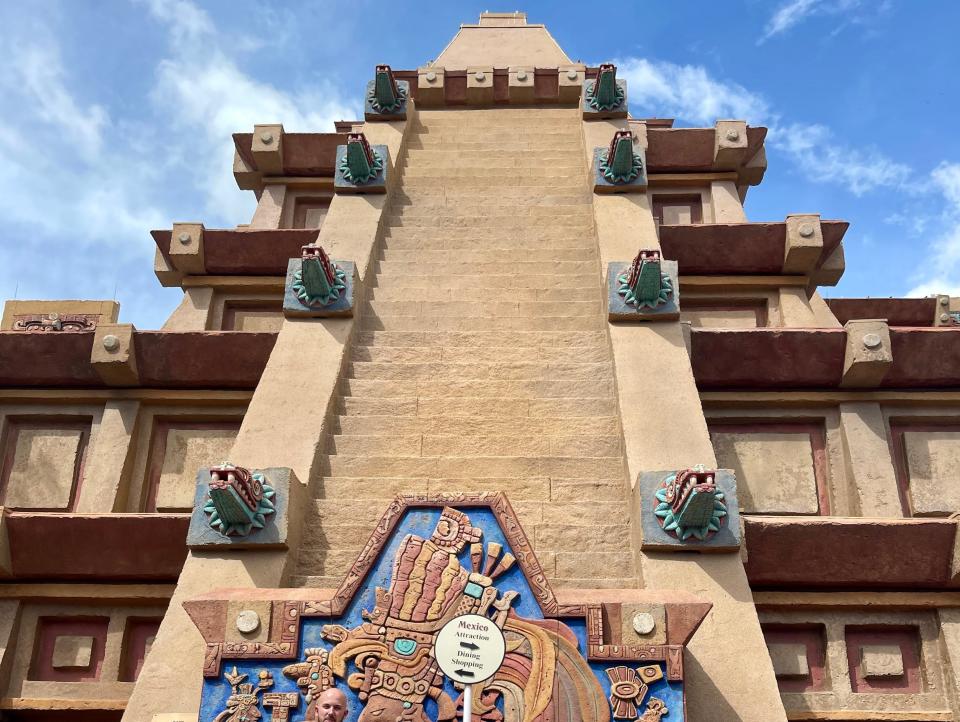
(441, 445)
(480, 370)
(516, 388)
(493, 210)
(572, 283)
(378, 425)
(444, 323)
(544, 255)
(459, 268)
(478, 408)
(484, 309)
(453, 354)
(588, 468)
(493, 237)
(478, 339)
(453, 244)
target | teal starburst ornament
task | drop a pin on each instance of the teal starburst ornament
(689, 504)
(386, 95)
(605, 93)
(319, 282)
(645, 285)
(239, 500)
(619, 164)
(362, 162)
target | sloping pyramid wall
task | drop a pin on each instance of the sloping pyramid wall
(483, 362)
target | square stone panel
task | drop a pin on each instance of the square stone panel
(720, 317)
(789, 659)
(72, 652)
(881, 660)
(44, 468)
(186, 450)
(932, 460)
(775, 470)
(257, 320)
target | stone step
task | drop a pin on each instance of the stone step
(456, 445)
(398, 406)
(484, 256)
(513, 406)
(573, 172)
(480, 370)
(450, 467)
(474, 339)
(568, 182)
(506, 145)
(508, 210)
(498, 285)
(453, 242)
(517, 225)
(461, 323)
(485, 309)
(517, 388)
(493, 236)
(543, 193)
(529, 160)
(551, 268)
(472, 354)
(378, 425)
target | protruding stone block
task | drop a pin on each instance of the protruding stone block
(267, 148)
(570, 83)
(186, 248)
(521, 84)
(386, 97)
(480, 86)
(114, 355)
(621, 167)
(317, 287)
(752, 173)
(6, 569)
(689, 510)
(361, 167)
(646, 289)
(803, 245)
(605, 96)
(947, 312)
(164, 270)
(868, 354)
(430, 91)
(248, 178)
(730, 144)
(880, 661)
(831, 270)
(789, 659)
(275, 532)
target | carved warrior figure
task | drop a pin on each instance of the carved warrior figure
(604, 93)
(645, 285)
(543, 677)
(689, 504)
(362, 162)
(619, 164)
(319, 282)
(313, 677)
(386, 96)
(239, 500)
(243, 704)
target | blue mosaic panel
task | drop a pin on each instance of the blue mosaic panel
(420, 523)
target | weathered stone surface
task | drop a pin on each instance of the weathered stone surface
(44, 468)
(789, 660)
(70, 651)
(879, 661)
(774, 470)
(933, 458)
(186, 451)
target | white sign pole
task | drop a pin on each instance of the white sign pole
(467, 702)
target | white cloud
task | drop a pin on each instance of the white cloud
(214, 98)
(821, 159)
(185, 20)
(794, 12)
(943, 256)
(688, 92)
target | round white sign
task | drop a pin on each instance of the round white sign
(469, 648)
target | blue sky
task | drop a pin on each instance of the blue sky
(115, 117)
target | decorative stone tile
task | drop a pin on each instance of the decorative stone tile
(378, 184)
(620, 310)
(876, 653)
(602, 185)
(43, 471)
(275, 530)
(373, 109)
(798, 654)
(656, 538)
(342, 307)
(68, 649)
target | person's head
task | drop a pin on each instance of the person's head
(331, 706)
